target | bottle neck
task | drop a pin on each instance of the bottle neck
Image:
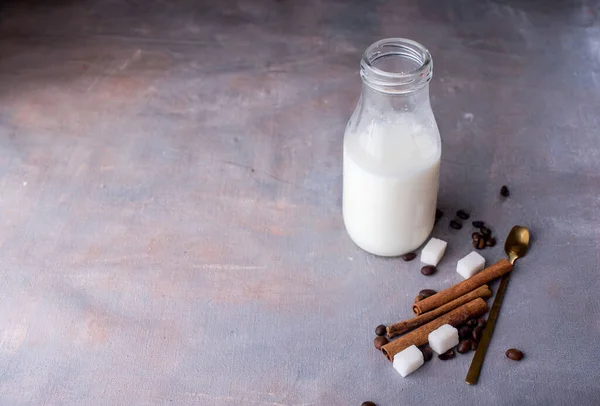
(401, 102)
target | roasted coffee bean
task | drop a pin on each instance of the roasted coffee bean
(463, 215)
(476, 236)
(427, 292)
(457, 225)
(368, 403)
(486, 232)
(464, 346)
(409, 257)
(474, 345)
(418, 298)
(514, 354)
(472, 323)
(447, 355)
(428, 270)
(478, 224)
(481, 322)
(477, 332)
(438, 214)
(504, 191)
(480, 244)
(380, 330)
(476, 243)
(464, 332)
(490, 242)
(380, 342)
(427, 353)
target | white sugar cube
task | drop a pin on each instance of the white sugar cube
(444, 338)
(408, 361)
(470, 265)
(433, 252)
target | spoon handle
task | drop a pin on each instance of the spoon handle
(477, 362)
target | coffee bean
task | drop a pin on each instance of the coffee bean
(465, 332)
(427, 353)
(463, 215)
(447, 355)
(427, 292)
(504, 191)
(409, 257)
(480, 244)
(490, 242)
(481, 322)
(472, 323)
(380, 342)
(514, 354)
(486, 232)
(478, 224)
(476, 236)
(428, 270)
(418, 298)
(477, 333)
(368, 403)
(474, 345)
(455, 224)
(464, 346)
(380, 330)
(438, 214)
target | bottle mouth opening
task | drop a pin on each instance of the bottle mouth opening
(396, 65)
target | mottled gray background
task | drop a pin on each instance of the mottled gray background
(170, 178)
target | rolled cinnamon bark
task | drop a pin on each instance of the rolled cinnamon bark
(418, 337)
(441, 298)
(408, 325)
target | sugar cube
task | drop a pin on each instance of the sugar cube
(433, 252)
(443, 338)
(408, 361)
(470, 265)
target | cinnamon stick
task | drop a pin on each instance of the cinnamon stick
(408, 325)
(418, 337)
(441, 298)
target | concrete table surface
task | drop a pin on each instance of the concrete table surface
(170, 177)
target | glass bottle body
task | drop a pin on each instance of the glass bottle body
(392, 152)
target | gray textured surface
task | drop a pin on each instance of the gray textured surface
(170, 178)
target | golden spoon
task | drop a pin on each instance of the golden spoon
(515, 247)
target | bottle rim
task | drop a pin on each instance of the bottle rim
(389, 81)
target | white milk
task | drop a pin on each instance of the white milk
(391, 175)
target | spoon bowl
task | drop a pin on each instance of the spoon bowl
(517, 243)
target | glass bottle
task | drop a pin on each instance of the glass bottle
(392, 151)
